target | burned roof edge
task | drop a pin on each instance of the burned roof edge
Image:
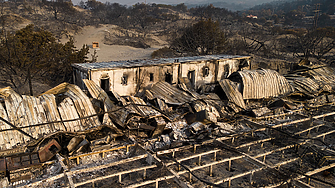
(155, 62)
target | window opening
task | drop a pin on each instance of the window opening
(191, 77)
(151, 77)
(124, 80)
(206, 71)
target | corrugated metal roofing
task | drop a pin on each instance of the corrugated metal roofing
(168, 93)
(119, 115)
(263, 83)
(81, 101)
(24, 111)
(314, 80)
(232, 93)
(141, 108)
(144, 62)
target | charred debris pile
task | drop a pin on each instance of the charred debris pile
(66, 121)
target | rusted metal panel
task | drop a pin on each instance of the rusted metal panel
(263, 83)
(49, 150)
(22, 161)
(232, 93)
(3, 166)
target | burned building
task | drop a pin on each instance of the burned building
(128, 77)
(257, 128)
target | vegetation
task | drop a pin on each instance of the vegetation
(202, 38)
(301, 28)
(32, 52)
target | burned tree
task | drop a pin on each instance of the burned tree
(204, 37)
(32, 52)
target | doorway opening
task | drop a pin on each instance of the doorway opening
(104, 84)
(168, 78)
(191, 77)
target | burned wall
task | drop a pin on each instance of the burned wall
(199, 73)
(122, 80)
(227, 67)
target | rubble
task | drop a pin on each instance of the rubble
(251, 128)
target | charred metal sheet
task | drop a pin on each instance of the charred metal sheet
(99, 93)
(141, 107)
(119, 115)
(200, 106)
(214, 100)
(160, 124)
(168, 93)
(3, 166)
(307, 86)
(22, 161)
(162, 105)
(49, 150)
(313, 81)
(232, 93)
(203, 116)
(16, 114)
(323, 74)
(81, 101)
(7, 138)
(263, 83)
(260, 111)
(50, 107)
(68, 111)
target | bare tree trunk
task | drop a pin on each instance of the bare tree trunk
(29, 83)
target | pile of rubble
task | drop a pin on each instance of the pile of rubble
(46, 133)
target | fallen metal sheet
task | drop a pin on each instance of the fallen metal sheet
(81, 101)
(214, 100)
(199, 106)
(260, 111)
(324, 74)
(99, 93)
(49, 150)
(16, 115)
(28, 111)
(203, 116)
(7, 138)
(307, 86)
(263, 83)
(68, 111)
(168, 93)
(160, 125)
(119, 115)
(313, 81)
(141, 107)
(50, 108)
(232, 93)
